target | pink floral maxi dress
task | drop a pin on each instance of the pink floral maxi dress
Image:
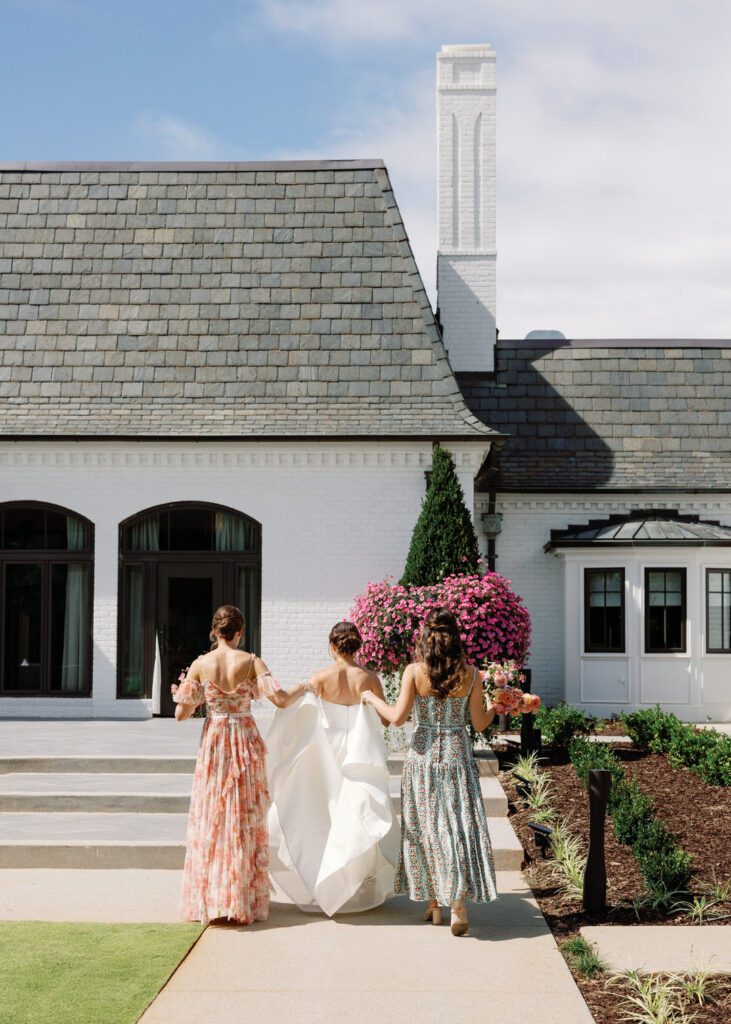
(226, 871)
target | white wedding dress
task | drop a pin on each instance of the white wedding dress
(333, 837)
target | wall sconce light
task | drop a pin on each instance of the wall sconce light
(492, 524)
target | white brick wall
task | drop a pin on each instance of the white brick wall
(538, 576)
(466, 173)
(334, 516)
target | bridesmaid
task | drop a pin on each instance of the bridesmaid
(226, 873)
(446, 856)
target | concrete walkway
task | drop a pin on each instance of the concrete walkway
(386, 966)
(127, 896)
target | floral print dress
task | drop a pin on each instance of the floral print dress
(446, 853)
(226, 873)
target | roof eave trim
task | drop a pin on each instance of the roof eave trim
(427, 438)
(610, 545)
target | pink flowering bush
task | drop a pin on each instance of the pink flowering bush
(495, 623)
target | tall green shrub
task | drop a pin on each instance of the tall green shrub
(443, 542)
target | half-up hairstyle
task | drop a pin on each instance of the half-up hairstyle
(345, 638)
(441, 650)
(227, 621)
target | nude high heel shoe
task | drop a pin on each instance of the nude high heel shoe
(433, 914)
(460, 923)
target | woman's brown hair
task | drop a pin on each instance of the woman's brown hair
(227, 622)
(345, 638)
(441, 650)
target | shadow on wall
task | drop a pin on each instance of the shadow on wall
(551, 446)
(461, 287)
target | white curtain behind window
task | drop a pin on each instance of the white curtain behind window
(230, 532)
(145, 534)
(76, 627)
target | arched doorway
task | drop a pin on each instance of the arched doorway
(46, 562)
(178, 563)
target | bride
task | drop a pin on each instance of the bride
(334, 840)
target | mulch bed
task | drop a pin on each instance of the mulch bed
(698, 814)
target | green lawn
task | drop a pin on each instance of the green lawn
(85, 973)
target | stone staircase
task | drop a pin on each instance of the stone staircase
(130, 811)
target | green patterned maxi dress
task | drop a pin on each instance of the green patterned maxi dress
(446, 853)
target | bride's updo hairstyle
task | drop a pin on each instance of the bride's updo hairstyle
(345, 638)
(441, 650)
(227, 622)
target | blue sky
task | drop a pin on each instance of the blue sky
(614, 217)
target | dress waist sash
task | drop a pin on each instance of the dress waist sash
(229, 714)
(438, 727)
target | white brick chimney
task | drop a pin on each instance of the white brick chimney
(466, 159)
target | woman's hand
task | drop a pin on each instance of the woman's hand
(368, 697)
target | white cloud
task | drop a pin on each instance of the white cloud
(167, 137)
(614, 215)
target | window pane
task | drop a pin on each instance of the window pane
(665, 610)
(191, 530)
(719, 610)
(604, 610)
(69, 628)
(22, 627)
(24, 529)
(248, 599)
(674, 581)
(143, 534)
(656, 581)
(133, 650)
(232, 533)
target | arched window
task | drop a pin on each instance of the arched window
(178, 563)
(46, 558)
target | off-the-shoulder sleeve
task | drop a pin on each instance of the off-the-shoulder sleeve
(190, 691)
(265, 685)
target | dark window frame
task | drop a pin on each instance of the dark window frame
(598, 649)
(683, 648)
(47, 558)
(149, 560)
(709, 649)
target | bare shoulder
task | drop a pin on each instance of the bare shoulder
(368, 680)
(197, 667)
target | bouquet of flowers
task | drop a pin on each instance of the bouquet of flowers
(502, 682)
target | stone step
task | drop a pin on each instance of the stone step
(77, 840)
(99, 793)
(150, 840)
(493, 796)
(153, 764)
(95, 793)
(65, 764)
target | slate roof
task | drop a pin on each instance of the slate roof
(609, 415)
(643, 528)
(227, 300)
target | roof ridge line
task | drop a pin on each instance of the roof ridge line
(190, 165)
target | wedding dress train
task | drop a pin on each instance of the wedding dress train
(333, 838)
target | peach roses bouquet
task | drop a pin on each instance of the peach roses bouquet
(502, 683)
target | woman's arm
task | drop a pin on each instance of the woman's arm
(184, 711)
(400, 711)
(481, 716)
(374, 686)
(280, 698)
